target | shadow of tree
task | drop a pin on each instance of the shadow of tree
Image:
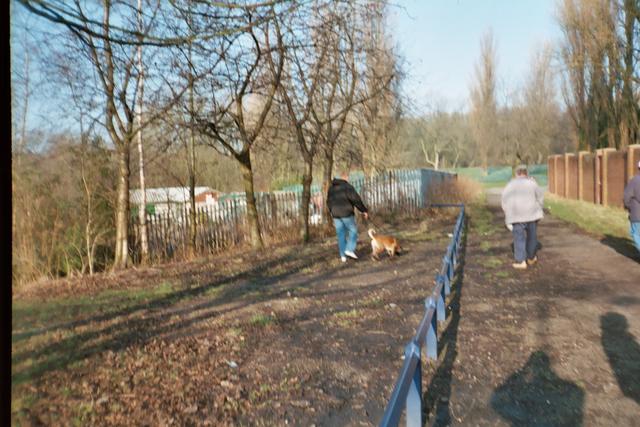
(142, 322)
(623, 352)
(164, 316)
(535, 396)
(621, 245)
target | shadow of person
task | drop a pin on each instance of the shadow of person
(535, 396)
(623, 352)
(621, 245)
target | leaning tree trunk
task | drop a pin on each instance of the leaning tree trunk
(252, 210)
(122, 209)
(307, 177)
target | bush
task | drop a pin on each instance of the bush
(458, 190)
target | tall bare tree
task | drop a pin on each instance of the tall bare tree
(483, 99)
(142, 211)
(600, 77)
(375, 120)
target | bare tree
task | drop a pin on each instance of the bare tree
(483, 99)
(600, 70)
(142, 211)
(114, 66)
(241, 95)
(375, 120)
(318, 91)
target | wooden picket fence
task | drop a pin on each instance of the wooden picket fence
(223, 225)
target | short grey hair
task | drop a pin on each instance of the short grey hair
(521, 169)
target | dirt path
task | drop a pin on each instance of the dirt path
(556, 345)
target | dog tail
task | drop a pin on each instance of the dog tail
(371, 233)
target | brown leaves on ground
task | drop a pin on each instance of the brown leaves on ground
(292, 335)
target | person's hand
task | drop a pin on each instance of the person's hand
(509, 227)
(366, 215)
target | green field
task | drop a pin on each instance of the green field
(498, 176)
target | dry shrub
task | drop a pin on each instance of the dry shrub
(458, 190)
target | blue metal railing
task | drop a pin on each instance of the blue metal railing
(407, 392)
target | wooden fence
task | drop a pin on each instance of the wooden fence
(224, 224)
(598, 177)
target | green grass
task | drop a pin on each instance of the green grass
(501, 274)
(595, 219)
(262, 320)
(481, 219)
(492, 262)
(28, 314)
(48, 335)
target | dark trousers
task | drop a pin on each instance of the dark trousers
(525, 240)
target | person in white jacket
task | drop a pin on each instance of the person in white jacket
(522, 201)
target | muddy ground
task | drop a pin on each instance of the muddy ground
(296, 337)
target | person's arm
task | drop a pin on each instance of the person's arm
(329, 200)
(355, 199)
(539, 196)
(505, 196)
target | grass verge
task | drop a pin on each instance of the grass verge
(595, 219)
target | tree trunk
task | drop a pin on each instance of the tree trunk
(122, 209)
(193, 232)
(326, 181)
(142, 210)
(191, 163)
(307, 177)
(252, 210)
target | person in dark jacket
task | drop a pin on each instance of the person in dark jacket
(341, 199)
(632, 204)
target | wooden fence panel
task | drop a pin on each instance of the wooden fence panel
(560, 185)
(615, 179)
(572, 176)
(588, 177)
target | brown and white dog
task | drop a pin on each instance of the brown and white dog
(380, 243)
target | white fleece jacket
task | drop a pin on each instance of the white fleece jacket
(522, 200)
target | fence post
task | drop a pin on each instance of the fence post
(605, 175)
(414, 396)
(432, 333)
(633, 157)
(442, 295)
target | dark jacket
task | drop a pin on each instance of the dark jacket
(342, 198)
(632, 199)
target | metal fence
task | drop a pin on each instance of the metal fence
(407, 393)
(224, 224)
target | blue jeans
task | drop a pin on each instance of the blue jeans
(525, 240)
(634, 230)
(347, 233)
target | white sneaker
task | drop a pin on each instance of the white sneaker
(343, 258)
(351, 254)
(520, 265)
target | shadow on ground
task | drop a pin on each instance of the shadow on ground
(622, 246)
(120, 330)
(536, 396)
(623, 352)
(438, 393)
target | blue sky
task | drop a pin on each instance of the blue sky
(440, 40)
